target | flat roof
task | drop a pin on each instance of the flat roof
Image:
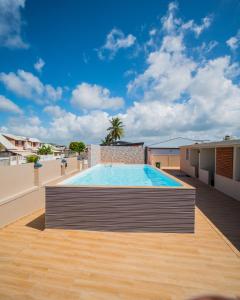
(214, 144)
(174, 143)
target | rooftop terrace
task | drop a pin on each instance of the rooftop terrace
(52, 264)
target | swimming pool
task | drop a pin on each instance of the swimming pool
(121, 198)
(122, 175)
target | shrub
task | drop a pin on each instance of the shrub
(32, 158)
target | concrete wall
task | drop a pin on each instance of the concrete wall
(22, 189)
(94, 155)
(207, 159)
(15, 179)
(49, 171)
(185, 165)
(204, 176)
(72, 165)
(166, 160)
(228, 186)
(121, 209)
(122, 154)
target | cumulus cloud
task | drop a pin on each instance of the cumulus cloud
(11, 24)
(7, 105)
(176, 94)
(87, 96)
(115, 41)
(40, 63)
(29, 86)
(54, 110)
(63, 127)
(234, 41)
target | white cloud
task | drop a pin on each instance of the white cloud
(168, 73)
(115, 40)
(197, 29)
(7, 105)
(55, 111)
(11, 24)
(40, 63)
(64, 127)
(27, 85)
(87, 96)
(234, 41)
(176, 94)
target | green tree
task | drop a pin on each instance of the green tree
(45, 150)
(116, 130)
(77, 147)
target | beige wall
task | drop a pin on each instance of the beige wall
(228, 186)
(21, 206)
(18, 194)
(185, 164)
(15, 179)
(72, 165)
(166, 160)
(49, 171)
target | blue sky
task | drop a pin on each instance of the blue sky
(166, 68)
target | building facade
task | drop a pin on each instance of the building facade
(215, 163)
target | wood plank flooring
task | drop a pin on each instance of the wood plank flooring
(38, 263)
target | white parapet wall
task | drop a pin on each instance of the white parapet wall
(227, 186)
(204, 176)
(185, 164)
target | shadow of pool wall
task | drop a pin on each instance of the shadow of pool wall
(122, 209)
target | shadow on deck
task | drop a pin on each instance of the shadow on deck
(222, 210)
(38, 223)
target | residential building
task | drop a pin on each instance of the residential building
(216, 163)
(167, 152)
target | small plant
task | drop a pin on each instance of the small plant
(158, 165)
(32, 159)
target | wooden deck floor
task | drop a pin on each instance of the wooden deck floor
(60, 264)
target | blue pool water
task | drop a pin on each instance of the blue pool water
(122, 175)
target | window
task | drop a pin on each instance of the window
(187, 154)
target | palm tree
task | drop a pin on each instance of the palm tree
(116, 130)
(107, 140)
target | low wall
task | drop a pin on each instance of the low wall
(227, 186)
(166, 160)
(22, 205)
(122, 154)
(185, 164)
(204, 176)
(120, 209)
(22, 187)
(49, 171)
(15, 179)
(72, 165)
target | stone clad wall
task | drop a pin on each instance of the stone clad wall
(122, 154)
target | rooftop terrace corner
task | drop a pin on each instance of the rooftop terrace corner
(38, 263)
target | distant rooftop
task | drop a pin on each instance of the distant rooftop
(125, 143)
(213, 144)
(20, 138)
(175, 143)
